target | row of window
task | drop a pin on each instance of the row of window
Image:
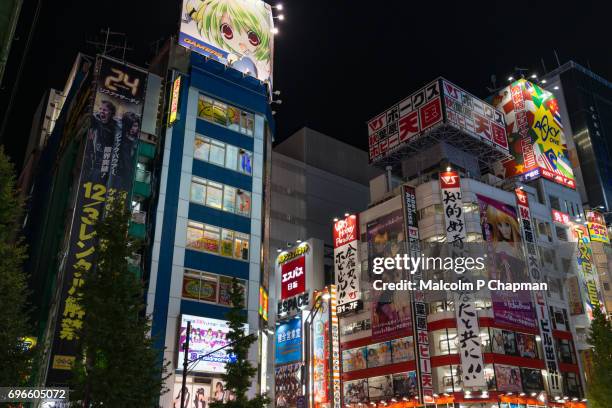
(220, 196)
(223, 154)
(226, 115)
(216, 240)
(208, 287)
(379, 354)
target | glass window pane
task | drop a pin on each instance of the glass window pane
(243, 203)
(214, 194)
(233, 118)
(205, 107)
(227, 242)
(241, 250)
(220, 113)
(231, 157)
(191, 285)
(225, 286)
(248, 123)
(208, 288)
(201, 148)
(245, 164)
(217, 153)
(229, 199)
(194, 236)
(210, 239)
(198, 191)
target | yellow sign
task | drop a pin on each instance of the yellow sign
(598, 232)
(287, 256)
(63, 362)
(174, 101)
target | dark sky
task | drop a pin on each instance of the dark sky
(337, 62)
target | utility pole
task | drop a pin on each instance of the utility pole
(185, 364)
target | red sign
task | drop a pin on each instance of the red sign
(560, 217)
(293, 277)
(449, 179)
(346, 230)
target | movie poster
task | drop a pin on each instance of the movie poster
(354, 359)
(405, 384)
(380, 387)
(107, 171)
(391, 312)
(508, 378)
(288, 384)
(238, 33)
(500, 229)
(356, 391)
(379, 354)
(402, 349)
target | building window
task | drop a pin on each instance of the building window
(223, 155)
(571, 383)
(208, 287)
(354, 327)
(226, 115)
(443, 342)
(221, 241)
(544, 230)
(561, 233)
(565, 351)
(447, 379)
(555, 203)
(220, 196)
(606, 286)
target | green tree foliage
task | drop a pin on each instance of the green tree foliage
(600, 381)
(239, 371)
(16, 360)
(117, 365)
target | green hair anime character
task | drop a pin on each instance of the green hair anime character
(241, 27)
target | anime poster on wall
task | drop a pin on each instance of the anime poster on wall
(379, 354)
(526, 345)
(501, 231)
(508, 378)
(405, 384)
(238, 33)
(403, 349)
(535, 134)
(288, 384)
(354, 359)
(380, 387)
(532, 380)
(356, 392)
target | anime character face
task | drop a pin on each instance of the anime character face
(505, 230)
(241, 39)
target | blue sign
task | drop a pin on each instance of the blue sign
(289, 342)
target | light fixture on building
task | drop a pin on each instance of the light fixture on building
(299, 241)
(538, 338)
(281, 17)
(279, 250)
(543, 81)
(510, 78)
(533, 76)
(533, 394)
(274, 30)
(326, 296)
(556, 87)
(335, 219)
(279, 7)
(522, 394)
(346, 214)
(448, 168)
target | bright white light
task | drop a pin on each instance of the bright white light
(538, 338)
(281, 17)
(556, 87)
(346, 214)
(543, 81)
(335, 219)
(510, 78)
(534, 76)
(299, 241)
(448, 168)
(275, 30)
(326, 296)
(279, 6)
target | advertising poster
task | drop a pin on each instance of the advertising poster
(405, 384)
(501, 230)
(288, 384)
(596, 224)
(508, 378)
(391, 312)
(206, 336)
(347, 267)
(526, 345)
(532, 380)
(402, 349)
(509, 343)
(380, 387)
(497, 341)
(197, 395)
(535, 134)
(321, 356)
(356, 391)
(575, 298)
(379, 354)
(237, 33)
(289, 342)
(107, 171)
(354, 359)
(587, 269)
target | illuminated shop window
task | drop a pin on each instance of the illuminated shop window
(443, 342)
(220, 241)
(220, 196)
(447, 379)
(223, 154)
(226, 115)
(208, 287)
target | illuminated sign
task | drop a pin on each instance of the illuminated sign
(597, 227)
(346, 263)
(288, 255)
(263, 303)
(174, 101)
(560, 217)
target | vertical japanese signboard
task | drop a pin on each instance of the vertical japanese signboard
(335, 349)
(468, 330)
(405, 121)
(293, 294)
(346, 263)
(107, 169)
(174, 101)
(541, 304)
(419, 306)
(321, 355)
(535, 134)
(586, 269)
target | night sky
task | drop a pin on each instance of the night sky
(337, 62)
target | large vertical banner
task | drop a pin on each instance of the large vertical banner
(321, 355)
(535, 134)
(106, 171)
(587, 270)
(500, 229)
(289, 341)
(346, 263)
(335, 348)
(541, 304)
(419, 304)
(391, 311)
(238, 33)
(468, 329)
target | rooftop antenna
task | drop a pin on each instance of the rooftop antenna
(107, 48)
(543, 66)
(557, 58)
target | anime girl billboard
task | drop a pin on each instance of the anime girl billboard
(234, 32)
